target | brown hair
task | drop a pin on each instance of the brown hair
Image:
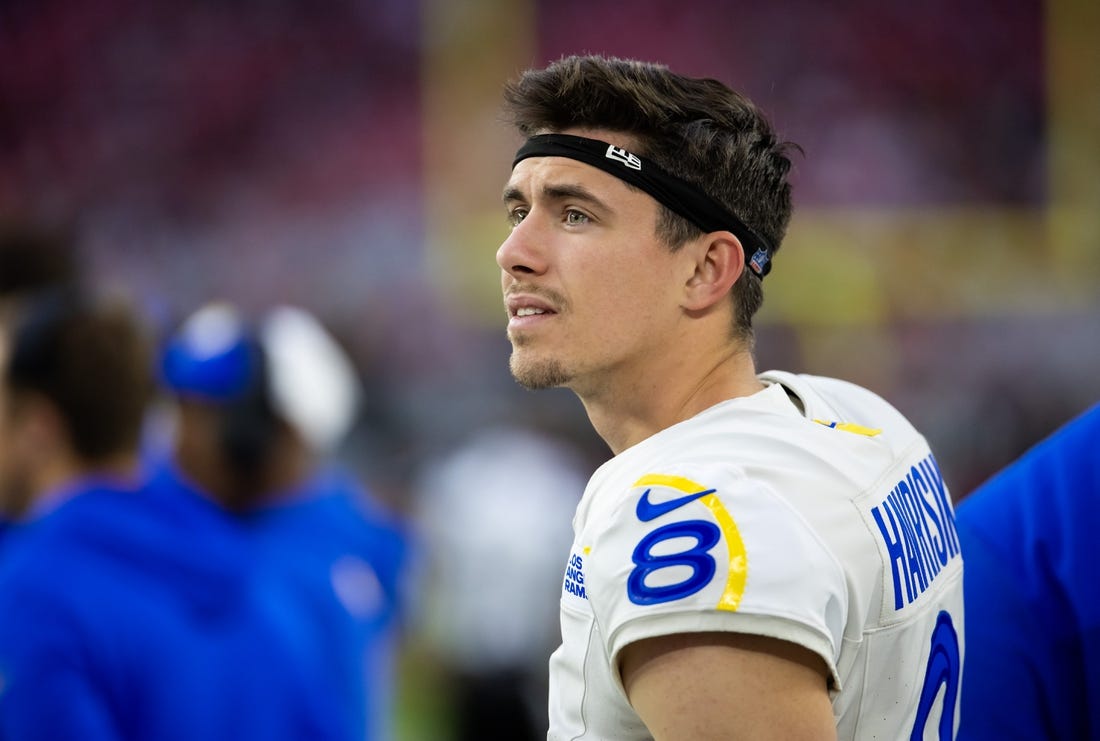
(92, 360)
(696, 129)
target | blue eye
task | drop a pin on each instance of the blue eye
(572, 216)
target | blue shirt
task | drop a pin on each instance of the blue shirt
(334, 560)
(127, 616)
(1032, 593)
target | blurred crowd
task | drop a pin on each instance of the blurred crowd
(251, 177)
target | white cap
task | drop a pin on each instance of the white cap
(313, 384)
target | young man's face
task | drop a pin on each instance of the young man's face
(591, 292)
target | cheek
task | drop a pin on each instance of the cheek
(620, 309)
(7, 451)
(5, 434)
(641, 290)
(16, 448)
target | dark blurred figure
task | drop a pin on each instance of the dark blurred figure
(121, 617)
(1032, 610)
(33, 258)
(260, 410)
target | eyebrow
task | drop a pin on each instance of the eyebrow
(558, 192)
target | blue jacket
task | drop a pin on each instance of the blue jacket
(129, 616)
(334, 561)
(1029, 539)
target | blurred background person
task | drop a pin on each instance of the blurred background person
(1028, 536)
(121, 618)
(33, 258)
(493, 513)
(260, 409)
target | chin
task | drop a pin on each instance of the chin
(536, 373)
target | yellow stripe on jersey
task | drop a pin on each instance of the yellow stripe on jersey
(738, 557)
(673, 482)
(851, 427)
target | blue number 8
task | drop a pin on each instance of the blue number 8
(702, 565)
(943, 668)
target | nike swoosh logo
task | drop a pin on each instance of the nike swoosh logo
(648, 510)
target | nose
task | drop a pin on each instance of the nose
(519, 254)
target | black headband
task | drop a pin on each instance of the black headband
(678, 195)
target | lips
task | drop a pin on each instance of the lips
(522, 306)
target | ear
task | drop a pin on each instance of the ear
(719, 262)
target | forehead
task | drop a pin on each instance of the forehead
(555, 179)
(544, 170)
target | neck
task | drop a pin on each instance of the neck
(236, 487)
(62, 470)
(625, 413)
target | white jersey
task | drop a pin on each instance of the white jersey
(827, 525)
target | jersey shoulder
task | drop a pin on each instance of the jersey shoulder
(693, 546)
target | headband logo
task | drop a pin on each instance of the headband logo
(759, 261)
(621, 155)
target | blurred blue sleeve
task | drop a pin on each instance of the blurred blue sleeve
(47, 688)
(1032, 661)
(1006, 689)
